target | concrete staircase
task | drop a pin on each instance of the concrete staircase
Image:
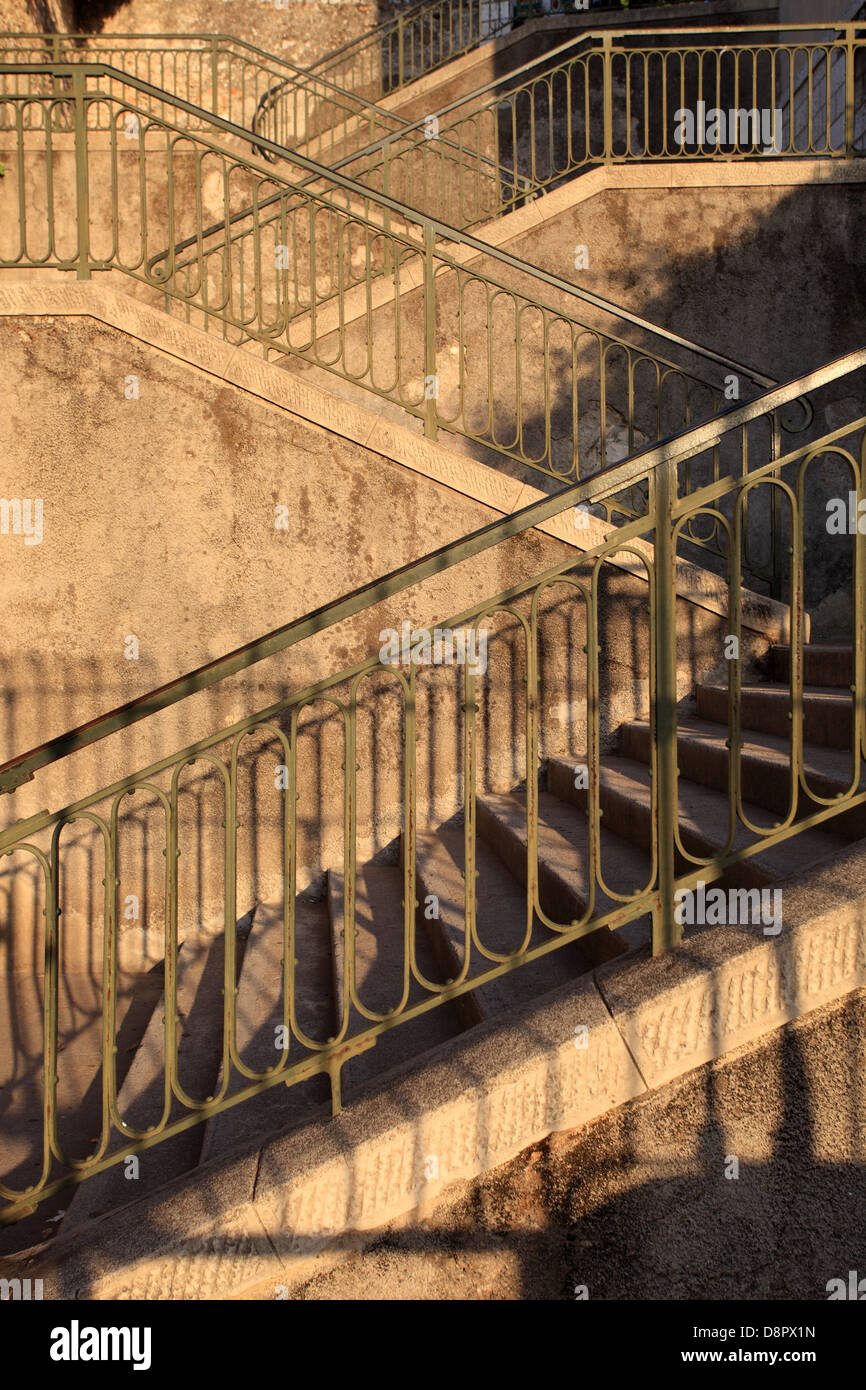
(501, 926)
(565, 874)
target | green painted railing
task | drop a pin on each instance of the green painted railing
(627, 96)
(215, 74)
(311, 271)
(301, 262)
(517, 677)
(417, 41)
(426, 36)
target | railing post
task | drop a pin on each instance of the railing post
(849, 90)
(776, 564)
(82, 196)
(214, 76)
(389, 262)
(607, 90)
(667, 932)
(858, 688)
(400, 63)
(431, 385)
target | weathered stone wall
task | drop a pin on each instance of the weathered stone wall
(46, 15)
(301, 32)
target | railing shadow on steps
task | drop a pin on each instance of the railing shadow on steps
(537, 677)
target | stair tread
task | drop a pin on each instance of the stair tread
(780, 689)
(836, 648)
(563, 847)
(79, 1073)
(200, 978)
(703, 818)
(828, 764)
(260, 1013)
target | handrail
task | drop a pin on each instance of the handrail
(360, 191)
(218, 46)
(425, 7)
(677, 448)
(570, 47)
(508, 13)
(409, 127)
(568, 371)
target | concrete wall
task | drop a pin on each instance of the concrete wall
(49, 16)
(822, 11)
(770, 276)
(301, 32)
(761, 267)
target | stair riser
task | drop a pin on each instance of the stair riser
(763, 784)
(829, 666)
(766, 713)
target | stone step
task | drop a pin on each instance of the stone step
(822, 664)
(380, 966)
(500, 925)
(563, 866)
(765, 768)
(200, 984)
(827, 712)
(625, 798)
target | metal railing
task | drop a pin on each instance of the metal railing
(520, 677)
(336, 278)
(627, 96)
(417, 41)
(426, 36)
(617, 96)
(215, 74)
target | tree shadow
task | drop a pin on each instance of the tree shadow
(91, 15)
